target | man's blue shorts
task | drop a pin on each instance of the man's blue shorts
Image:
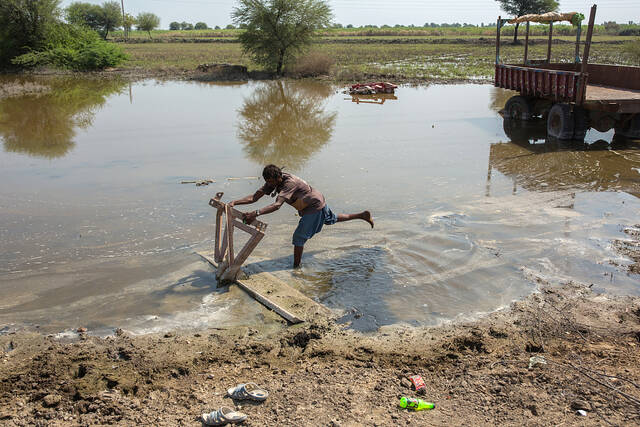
(311, 224)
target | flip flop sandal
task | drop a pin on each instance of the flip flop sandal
(249, 391)
(222, 416)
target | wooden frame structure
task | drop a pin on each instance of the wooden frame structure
(228, 263)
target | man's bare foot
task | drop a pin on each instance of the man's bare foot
(366, 215)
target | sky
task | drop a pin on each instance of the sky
(375, 12)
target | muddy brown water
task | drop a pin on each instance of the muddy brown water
(471, 212)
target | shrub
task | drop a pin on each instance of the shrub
(312, 64)
(24, 25)
(630, 32)
(74, 48)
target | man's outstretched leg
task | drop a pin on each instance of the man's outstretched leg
(297, 255)
(365, 216)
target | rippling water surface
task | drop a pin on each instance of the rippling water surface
(471, 212)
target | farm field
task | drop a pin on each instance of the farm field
(405, 58)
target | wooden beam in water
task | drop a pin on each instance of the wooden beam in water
(277, 295)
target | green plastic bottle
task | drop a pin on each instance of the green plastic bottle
(415, 404)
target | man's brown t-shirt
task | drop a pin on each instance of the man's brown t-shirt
(296, 192)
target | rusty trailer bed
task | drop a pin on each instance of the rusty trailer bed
(613, 99)
(562, 83)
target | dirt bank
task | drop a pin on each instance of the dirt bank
(133, 74)
(321, 374)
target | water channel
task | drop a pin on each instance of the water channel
(471, 212)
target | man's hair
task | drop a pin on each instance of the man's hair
(271, 172)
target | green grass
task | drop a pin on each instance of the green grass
(367, 58)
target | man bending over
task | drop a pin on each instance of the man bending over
(310, 204)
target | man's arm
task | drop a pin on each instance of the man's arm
(250, 216)
(252, 198)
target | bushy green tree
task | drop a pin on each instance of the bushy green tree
(24, 25)
(230, 27)
(217, 27)
(87, 14)
(174, 26)
(147, 21)
(111, 17)
(525, 7)
(103, 19)
(200, 26)
(279, 29)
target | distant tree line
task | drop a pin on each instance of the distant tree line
(188, 26)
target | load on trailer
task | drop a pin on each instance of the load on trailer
(573, 96)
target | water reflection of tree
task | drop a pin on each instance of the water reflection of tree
(285, 123)
(45, 125)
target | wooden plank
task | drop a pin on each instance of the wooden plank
(610, 93)
(218, 254)
(498, 26)
(526, 45)
(232, 272)
(237, 214)
(247, 287)
(550, 39)
(283, 296)
(244, 227)
(229, 232)
(276, 295)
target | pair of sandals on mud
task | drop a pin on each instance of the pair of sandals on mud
(228, 415)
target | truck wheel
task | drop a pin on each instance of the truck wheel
(581, 123)
(560, 122)
(518, 107)
(629, 128)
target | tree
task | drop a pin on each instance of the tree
(111, 17)
(129, 22)
(277, 30)
(230, 27)
(200, 26)
(525, 7)
(24, 25)
(102, 19)
(217, 27)
(147, 21)
(87, 14)
(186, 26)
(174, 26)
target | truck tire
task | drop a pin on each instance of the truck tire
(560, 122)
(518, 108)
(629, 128)
(581, 123)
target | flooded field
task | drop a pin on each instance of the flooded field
(471, 212)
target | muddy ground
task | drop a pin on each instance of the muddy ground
(318, 373)
(176, 73)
